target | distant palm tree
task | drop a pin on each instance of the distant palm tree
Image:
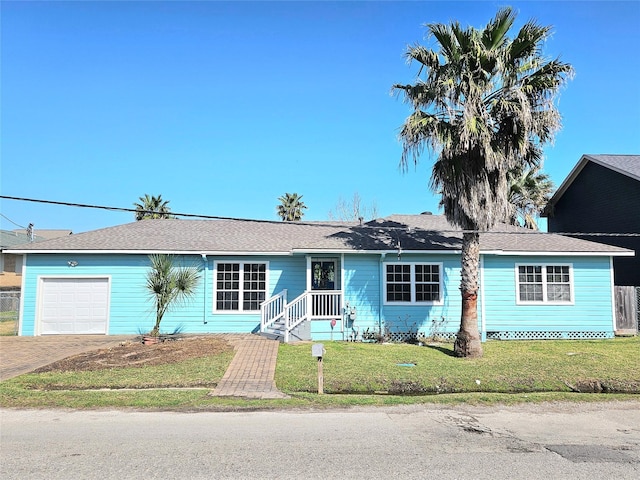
(529, 192)
(291, 207)
(484, 104)
(152, 207)
(168, 285)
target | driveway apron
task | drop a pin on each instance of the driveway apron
(20, 355)
(251, 373)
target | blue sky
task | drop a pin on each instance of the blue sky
(222, 107)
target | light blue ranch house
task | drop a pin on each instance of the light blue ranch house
(398, 275)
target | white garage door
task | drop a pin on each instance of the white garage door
(74, 306)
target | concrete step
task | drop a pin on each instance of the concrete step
(272, 336)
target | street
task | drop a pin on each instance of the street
(576, 441)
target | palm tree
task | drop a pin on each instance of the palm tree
(290, 208)
(483, 103)
(168, 285)
(529, 192)
(152, 207)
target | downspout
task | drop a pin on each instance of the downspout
(22, 292)
(342, 293)
(483, 324)
(204, 293)
(612, 282)
(309, 306)
(381, 296)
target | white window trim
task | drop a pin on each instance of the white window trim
(413, 283)
(240, 310)
(544, 300)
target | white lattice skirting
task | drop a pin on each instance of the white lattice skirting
(547, 335)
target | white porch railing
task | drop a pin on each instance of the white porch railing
(326, 304)
(295, 314)
(272, 310)
(310, 305)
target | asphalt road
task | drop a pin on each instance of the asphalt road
(573, 441)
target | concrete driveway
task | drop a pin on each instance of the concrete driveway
(20, 355)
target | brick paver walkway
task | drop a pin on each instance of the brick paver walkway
(251, 373)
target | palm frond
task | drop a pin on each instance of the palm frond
(483, 104)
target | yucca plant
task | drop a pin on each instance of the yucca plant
(169, 285)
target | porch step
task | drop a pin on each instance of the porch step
(272, 336)
(277, 332)
(293, 338)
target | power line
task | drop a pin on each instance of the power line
(329, 224)
(7, 218)
(132, 210)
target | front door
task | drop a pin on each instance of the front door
(323, 275)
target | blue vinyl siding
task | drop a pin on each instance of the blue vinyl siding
(364, 290)
(128, 307)
(590, 311)
(131, 310)
(428, 319)
(284, 273)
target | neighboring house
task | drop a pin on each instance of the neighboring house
(602, 195)
(11, 264)
(320, 281)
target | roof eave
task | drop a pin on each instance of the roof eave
(530, 253)
(147, 252)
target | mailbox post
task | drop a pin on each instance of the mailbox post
(317, 350)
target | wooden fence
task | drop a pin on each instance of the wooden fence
(627, 306)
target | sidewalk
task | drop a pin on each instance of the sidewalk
(251, 373)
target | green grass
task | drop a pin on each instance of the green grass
(8, 323)
(356, 374)
(506, 367)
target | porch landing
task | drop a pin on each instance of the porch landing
(251, 373)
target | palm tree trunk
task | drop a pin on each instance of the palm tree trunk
(467, 342)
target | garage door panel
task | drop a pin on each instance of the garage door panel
(74, 306)
(87, 327)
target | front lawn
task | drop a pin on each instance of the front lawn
(357, 374)
(507, 367)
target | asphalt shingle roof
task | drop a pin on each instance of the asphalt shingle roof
(10, 238)
(411, 232)
(628, 165)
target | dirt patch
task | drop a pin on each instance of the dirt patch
(135, 354)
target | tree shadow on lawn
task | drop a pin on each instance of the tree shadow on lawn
(440, 348)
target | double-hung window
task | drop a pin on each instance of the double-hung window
(240, 287)
(544, 283)
(413, 283)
